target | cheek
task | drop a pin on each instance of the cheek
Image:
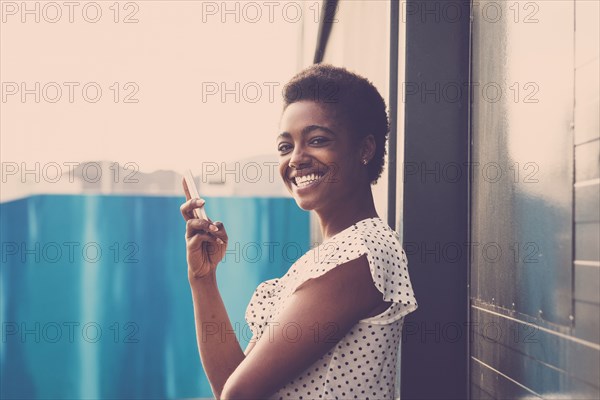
(347, 173)
(282, 169)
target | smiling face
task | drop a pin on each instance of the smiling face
(319, 161)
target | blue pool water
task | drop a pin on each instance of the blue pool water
(94, 298)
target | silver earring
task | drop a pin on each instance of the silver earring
(365, 161)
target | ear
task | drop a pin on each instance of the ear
(367, 148)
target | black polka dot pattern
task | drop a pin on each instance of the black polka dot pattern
(362, 365)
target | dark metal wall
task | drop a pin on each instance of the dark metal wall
(534, 200)
(435, 216)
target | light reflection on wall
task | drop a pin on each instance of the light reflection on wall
(537, 94)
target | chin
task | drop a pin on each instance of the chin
(306, 205)
(303, 202)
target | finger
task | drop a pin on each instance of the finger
(200, 236)
(183, 208)
(193, 227)
(199, 225)
(222, 232)
(207, 225)
(202, 242)
(208, 245)
(187, 208)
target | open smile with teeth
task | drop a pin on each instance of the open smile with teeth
(307, 180)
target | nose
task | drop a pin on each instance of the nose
(299, 159)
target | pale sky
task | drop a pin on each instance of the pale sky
(171, 61)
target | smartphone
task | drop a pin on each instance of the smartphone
(193, 190)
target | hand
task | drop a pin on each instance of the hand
(206, 241)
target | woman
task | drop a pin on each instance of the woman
(331, 326)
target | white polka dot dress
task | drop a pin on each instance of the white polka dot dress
(362, 365)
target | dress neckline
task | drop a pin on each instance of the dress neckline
(353, 225)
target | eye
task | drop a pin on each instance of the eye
(319, 140)
(284, 147)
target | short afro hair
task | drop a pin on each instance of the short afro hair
(353, 97)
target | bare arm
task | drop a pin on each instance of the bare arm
(250, 346)
(219, 348)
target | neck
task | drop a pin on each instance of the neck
(344, 214)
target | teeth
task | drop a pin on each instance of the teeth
(302, 181)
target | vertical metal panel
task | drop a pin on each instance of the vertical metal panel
(587, 76)
(392, 147)
(587, 157)
(480, 393)
(587, 237)
(587, 31)
(497, 385)
(393, 112)
(587, 72)
(536, 358)
(587, 324)
(522, 150)
(587, 121)
(542, 208)
(434, 363)
(328, 10)
(586, 203)
(587, 280)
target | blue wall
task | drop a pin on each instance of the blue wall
(57, 291)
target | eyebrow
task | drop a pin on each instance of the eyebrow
(308, 129)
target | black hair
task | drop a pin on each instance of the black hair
(352, 97)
